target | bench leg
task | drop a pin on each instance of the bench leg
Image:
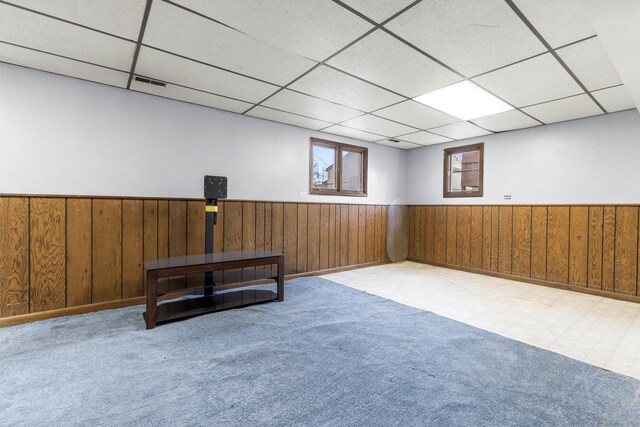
(281, 278)
(152, 299)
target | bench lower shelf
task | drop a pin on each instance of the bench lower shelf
(180, 309)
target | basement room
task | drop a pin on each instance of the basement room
(319, 213)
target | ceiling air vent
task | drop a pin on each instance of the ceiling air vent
(150, 81)
(395, 141)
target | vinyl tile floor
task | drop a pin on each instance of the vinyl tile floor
(600, 331)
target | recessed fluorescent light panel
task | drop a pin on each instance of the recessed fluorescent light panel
(464, 100)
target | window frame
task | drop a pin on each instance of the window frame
(446, 191)
(339, 147)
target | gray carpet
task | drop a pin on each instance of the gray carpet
(328, 355)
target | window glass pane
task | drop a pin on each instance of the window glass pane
(324, 167)
(351, 170)
(464, 171)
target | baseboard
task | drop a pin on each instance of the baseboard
(90, 308)
(565, 286)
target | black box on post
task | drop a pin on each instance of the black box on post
(215, 187)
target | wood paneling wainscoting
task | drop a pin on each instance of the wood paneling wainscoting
(593, 249)
(62, 255)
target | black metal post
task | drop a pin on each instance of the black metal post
(211, 218)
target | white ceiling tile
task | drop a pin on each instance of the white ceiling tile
(378, 10)
(591, 64)
(310, 28)
(309, 106)
(532, 81)
(335, 86)
(472, 37)
(377, 125)
(119, 17)
(218, 45)
(508, 120)
(352, 133)
(417, 115)
(424, 138)
(403, 145)
(559, 21)
(614, 99)
(35, 31)
(288, 118)
(561, 110)
(386, 61)
(461, 130)
(191, 95)
(55, 64)
(172, 69)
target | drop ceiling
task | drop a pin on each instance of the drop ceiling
(349, 67)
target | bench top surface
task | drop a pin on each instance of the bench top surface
(201, 259)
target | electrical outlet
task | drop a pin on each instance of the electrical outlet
(507, 196)
(303, 194)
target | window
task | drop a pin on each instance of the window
(338, 169)
(463, 171)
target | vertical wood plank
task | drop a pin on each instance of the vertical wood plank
(411, 218)
(495, 237)
(290, 231)
(353, 235)
(218, 229)
(521, 249)
(195, 227)
(505, 235)
(486, 238)
(325, 235)
(440, 252)
(418, 233)
(594, 264)
(14, 256)
(47, 290)
(132, 251)
(313, 237)
(248, 228)
(384, 223)
(558, 244)
(578, 241)
(362, 234)
(268, 218)
(232, 226)
(380, 238)
(177, 228)
(260, 217)
(195, 234)
(608, 247)
(370, 226)
(429, 233)
(178, 231)
(150, 229)
(277, 230)
(475, 249)
(78, 252)
(626, 254)
(463, 240)
(163, 228)
(107, 250)
(344, 235)
(333, 223)
(302, 238)
(452, 220)
(539, 242)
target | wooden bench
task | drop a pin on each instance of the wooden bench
(212, 279)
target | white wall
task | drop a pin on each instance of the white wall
(60, 135)
(591, 160)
